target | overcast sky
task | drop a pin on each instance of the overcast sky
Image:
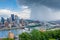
(43, 9)
(31, 9)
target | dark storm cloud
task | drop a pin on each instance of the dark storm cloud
(48, 3)
(42, 9)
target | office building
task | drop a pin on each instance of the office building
(2, 20)
(16, 19)
(8, 20)
(12, 17)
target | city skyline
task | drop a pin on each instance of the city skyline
(42, 10)
(8, 7)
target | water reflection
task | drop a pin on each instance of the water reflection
(4, 33)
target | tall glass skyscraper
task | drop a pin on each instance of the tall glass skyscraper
(8, 20)
(16, 19)
(2, 20)
(12, 17)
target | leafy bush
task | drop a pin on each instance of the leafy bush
(25, 36)
(5, 39)
(38, 35)
(52, 39)
(53, 34)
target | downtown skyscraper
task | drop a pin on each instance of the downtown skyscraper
(12, 17)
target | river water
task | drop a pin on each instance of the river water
(4, 33)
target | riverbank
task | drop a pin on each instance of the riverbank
(10, 28)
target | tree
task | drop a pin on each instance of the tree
(25, 36)
(38, 35)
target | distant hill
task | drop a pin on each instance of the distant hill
(55, 22)
(30, 21)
